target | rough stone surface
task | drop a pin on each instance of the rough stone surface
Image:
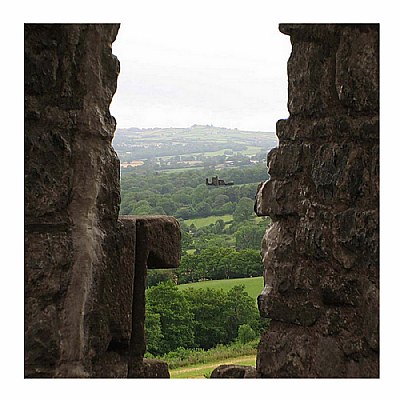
(155, 369)
(80, 261)
(157, 246)
(321, 254)
(71, 192)
(234, 371)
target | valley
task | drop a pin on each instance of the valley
(204, 312)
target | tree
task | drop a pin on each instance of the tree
(157, 276)
(167, 204)
(249, 236)
(142, 207)
(246, 334)
(153, 331)
(244, 210)
(219, 226)
(208, 307)
(184, 212)
(176, 318)
(220, 200)
(202, 209)
(241, 310)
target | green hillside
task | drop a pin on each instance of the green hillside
(253, 286)
(200, 222)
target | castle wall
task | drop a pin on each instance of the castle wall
(71, 193)
(321, 254)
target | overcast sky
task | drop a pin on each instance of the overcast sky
(218, 65)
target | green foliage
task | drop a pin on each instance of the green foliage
(184, 357)
(154, 336)
(216, 262)
(244, 210)
(246, 334)
(157, 276)
(185, 194)
(241, 310)
(201, 318)
(176, 318)
(253, 286)
(249, 235)
(208, 307)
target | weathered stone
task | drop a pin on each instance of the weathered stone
(234, 371)
(357, 68)
(311, 71)
(303, 312)
(321, 254)
(157, 245)
(84, 269)
(71, 193)
(155, 369)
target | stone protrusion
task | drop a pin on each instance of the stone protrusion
(157, 246)
(321, 254)
(83, 268)
(234, 371)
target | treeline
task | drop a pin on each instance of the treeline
(185, 194)
(212, 263)
(217, 251)
(244, 231)
(198, 318)
(145, 151)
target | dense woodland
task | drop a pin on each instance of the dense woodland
(185, 195)
(198, 318)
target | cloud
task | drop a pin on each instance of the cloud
(192, 67)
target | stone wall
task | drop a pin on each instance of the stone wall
(321, 254)
(71, 189)
(79, 258)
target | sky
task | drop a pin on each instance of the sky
(222, 65)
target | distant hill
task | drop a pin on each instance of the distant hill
(133, 144)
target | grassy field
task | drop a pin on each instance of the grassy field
(200, 371)
(200, 222)
(227, 218)
(253, 286)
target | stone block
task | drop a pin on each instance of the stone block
(155, 369)
(355, 238)
(311, 84)
(357, 68)
(234, 371)
(282, 198)
(48, 173)
(299, 311)
(340, 289)
(48, 263)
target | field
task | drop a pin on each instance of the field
(199, 371)
(253, 286)
(200, 222)
(227, 218)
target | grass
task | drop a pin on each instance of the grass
(181, 358)
(227, 218)
(199, 371)
(200, 222)
(253, 286)
(183, 169)
(252, 150)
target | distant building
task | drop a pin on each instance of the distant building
(217, 182)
